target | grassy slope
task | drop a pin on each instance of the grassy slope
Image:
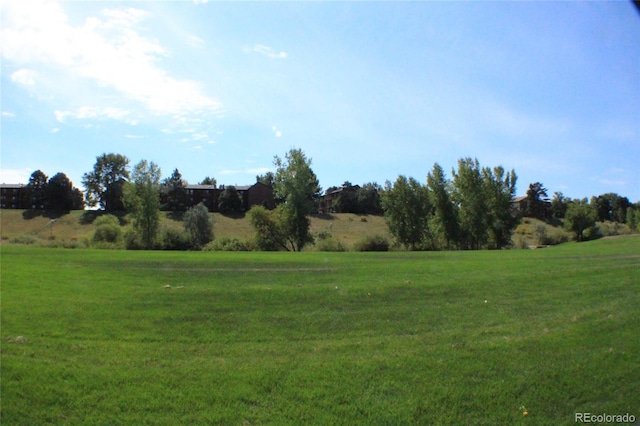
(347, 228)
(320, 338)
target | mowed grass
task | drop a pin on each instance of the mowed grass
(320, 338)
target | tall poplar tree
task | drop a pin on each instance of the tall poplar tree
(142, 200)
(406, 211)
(468, 194)
(446, 214)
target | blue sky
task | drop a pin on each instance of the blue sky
(368, 90)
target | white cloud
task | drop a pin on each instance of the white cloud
(8, 114)
(15, 175)
(200, 1)
(55, 130)
(87, 112)
(277, 132)
(107, 50)
(24, 76)
(269, 52)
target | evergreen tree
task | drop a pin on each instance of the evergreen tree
(175, 189)
(230, 200)
(37, 190)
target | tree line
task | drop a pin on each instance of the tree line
(580, 215)
(56, 193)
(473, 209)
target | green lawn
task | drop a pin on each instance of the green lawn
(320, 338)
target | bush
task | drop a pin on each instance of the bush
(556, 236)
(372, 243)
(608, 229)
(108, 229)
(330, 244)
(228, 244)
(132, 240)
(173, 239)
(25, 239)
(198, 225)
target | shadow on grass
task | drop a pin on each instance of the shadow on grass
(89, 216)
(234, 215)
(324, 216)
(49, 214)
(177, 216)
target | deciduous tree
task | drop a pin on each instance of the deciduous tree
(406, 211)
(580, 216)
(469, 196)
(104, 185)
(297, 186)
(61, 195)
(142, 200)
(499, 191)
(445, 211)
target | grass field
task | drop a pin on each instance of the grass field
(94, 337)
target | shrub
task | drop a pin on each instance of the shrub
(173, 239)
(228, 244)
(607, 229)
(25, 239)
(556, 236)
(132, 240)
(330, 244)
(198, 225)
(372, 243)
(108, 229)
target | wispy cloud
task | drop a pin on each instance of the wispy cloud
(8, 114)
(87, 112)
(24, 76)
(250, 171)
(107, 50)
(269, 52)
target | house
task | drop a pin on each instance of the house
(13, 196)
(257, 194)
(519, 204)
(330, 196)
